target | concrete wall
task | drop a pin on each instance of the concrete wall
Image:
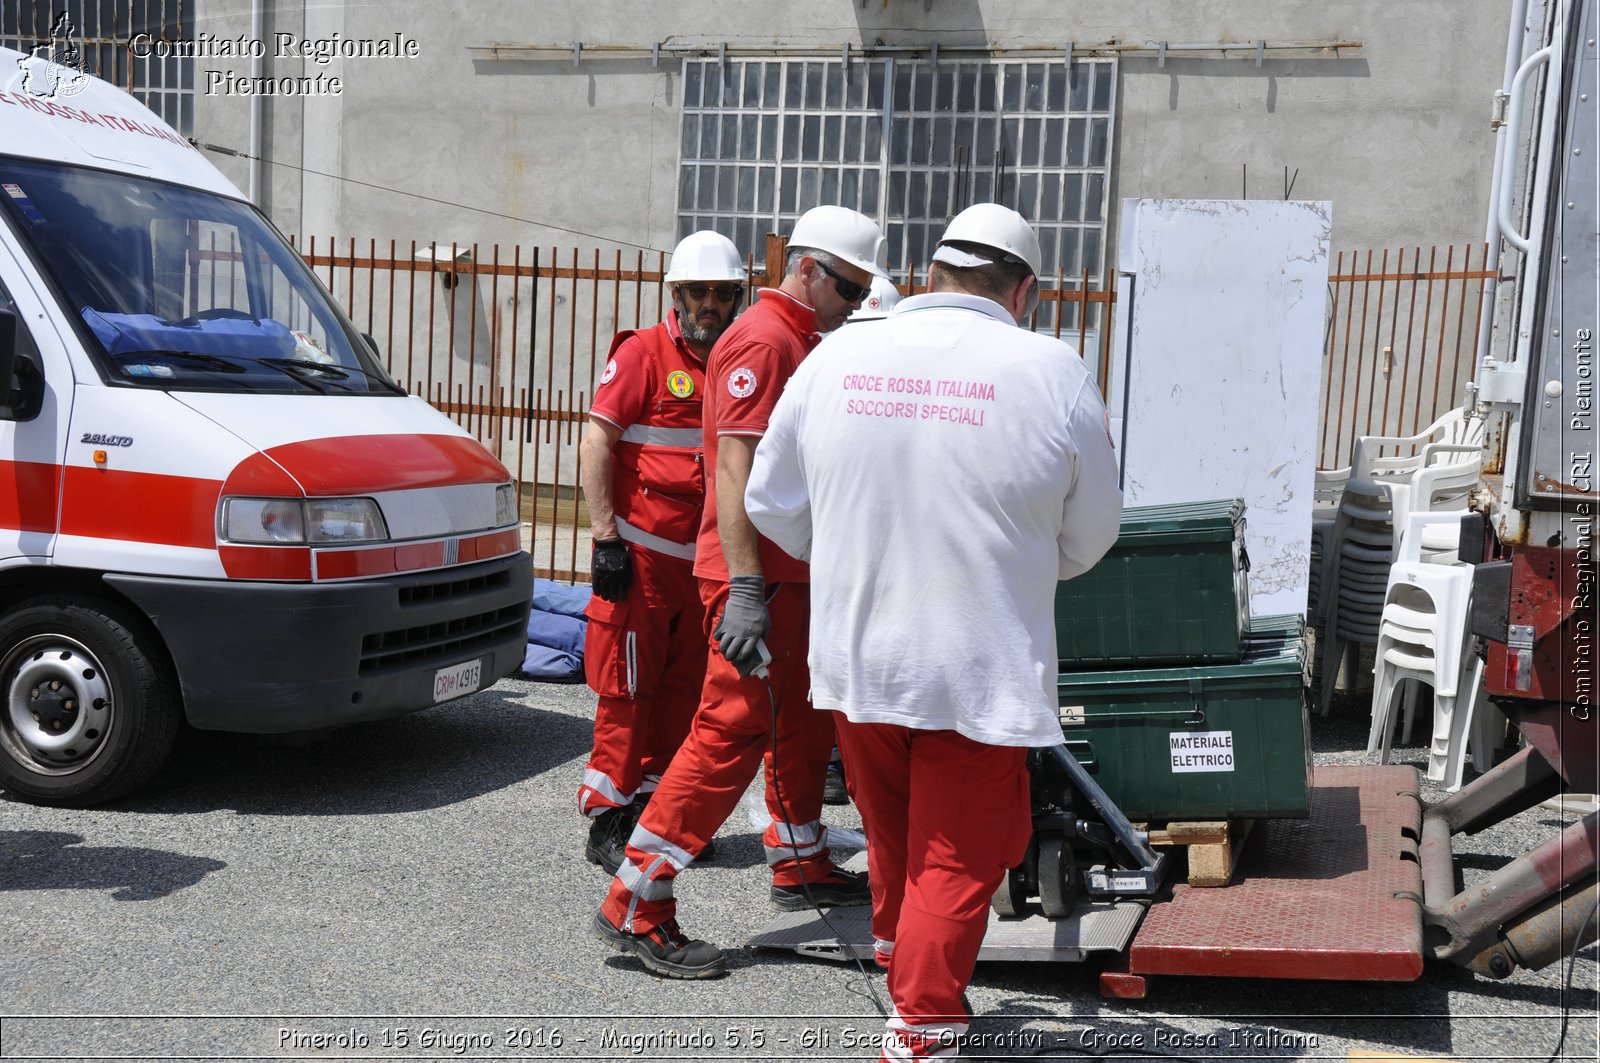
(1395, 136)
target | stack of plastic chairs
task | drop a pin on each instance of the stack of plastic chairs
(1328, 491)
(1423, 640)
(1324, 513)
(1436, 468)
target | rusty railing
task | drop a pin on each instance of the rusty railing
(509, 343)
(1401, 343)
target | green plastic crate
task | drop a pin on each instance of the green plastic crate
(1202, 742)
(1171, 591)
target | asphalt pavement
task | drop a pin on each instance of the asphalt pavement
(416, 889)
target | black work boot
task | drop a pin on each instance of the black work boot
(608, 837)
(664, 950)
(834, 790)
(837, 889)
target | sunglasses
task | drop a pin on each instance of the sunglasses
(725, 293)
(849, 290)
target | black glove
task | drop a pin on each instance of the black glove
(744, 623)
(611, 569)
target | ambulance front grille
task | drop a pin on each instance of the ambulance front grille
(442, 642)
(425, 593)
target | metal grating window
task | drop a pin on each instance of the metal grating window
(908, 142)
(102, 29)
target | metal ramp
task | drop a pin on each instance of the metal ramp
(1337, 896)
(1098, 927)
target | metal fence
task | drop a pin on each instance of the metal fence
(1402, 341)
(509, 343)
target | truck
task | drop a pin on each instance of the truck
(1364, 886)
(217, 509)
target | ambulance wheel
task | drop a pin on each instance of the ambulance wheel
(91, 706)
(1055, 877)
(1010, 899)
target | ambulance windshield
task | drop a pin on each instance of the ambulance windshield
(182, 289)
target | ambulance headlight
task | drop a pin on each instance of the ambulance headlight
(505, 505)
(297, 521)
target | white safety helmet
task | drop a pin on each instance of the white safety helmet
(705, 256)
(840, 231)
(989, 225)
(879, 301)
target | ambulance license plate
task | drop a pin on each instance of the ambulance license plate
(457, 680)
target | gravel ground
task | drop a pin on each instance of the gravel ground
(416, 889)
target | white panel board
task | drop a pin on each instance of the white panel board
(1217, 369)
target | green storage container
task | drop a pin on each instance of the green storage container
(1200, 742)
(1172, 590)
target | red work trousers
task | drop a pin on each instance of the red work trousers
(645, 656)
(945, 818)
(732, 734)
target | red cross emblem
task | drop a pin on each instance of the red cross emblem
(742, 383)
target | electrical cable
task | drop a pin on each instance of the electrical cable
(236, 153)
(1566, 994)
(805, 887)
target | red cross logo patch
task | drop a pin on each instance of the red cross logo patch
(742, 383)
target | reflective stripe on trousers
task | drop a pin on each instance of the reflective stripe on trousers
(796, 842)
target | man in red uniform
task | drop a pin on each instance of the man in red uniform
(645, 652)
(756, 599)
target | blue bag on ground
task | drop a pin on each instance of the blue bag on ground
(556, 630)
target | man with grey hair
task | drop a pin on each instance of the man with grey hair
(941, 469)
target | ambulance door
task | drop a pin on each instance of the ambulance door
(34, 420)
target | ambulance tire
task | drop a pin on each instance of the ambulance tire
(103, 681)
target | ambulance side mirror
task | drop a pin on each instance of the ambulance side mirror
(8, 357)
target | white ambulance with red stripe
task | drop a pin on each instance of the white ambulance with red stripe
(215, 505)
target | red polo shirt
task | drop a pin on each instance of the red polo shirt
(629, 384)
(745, 374)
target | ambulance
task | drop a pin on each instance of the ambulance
(215, 505)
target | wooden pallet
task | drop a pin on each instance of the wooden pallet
(1213, 847)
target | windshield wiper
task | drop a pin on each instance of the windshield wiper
(338, 372)
(236, 364)
(214, 361)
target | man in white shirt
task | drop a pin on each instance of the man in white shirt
(941, 469)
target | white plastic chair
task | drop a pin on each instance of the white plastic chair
(1440, 484)
(1456, 427)
(1423, 639)
(1382, 490)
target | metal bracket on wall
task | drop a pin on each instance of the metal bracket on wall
(1257, 50)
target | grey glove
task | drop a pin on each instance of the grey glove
(611, 569)
(744, 623)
